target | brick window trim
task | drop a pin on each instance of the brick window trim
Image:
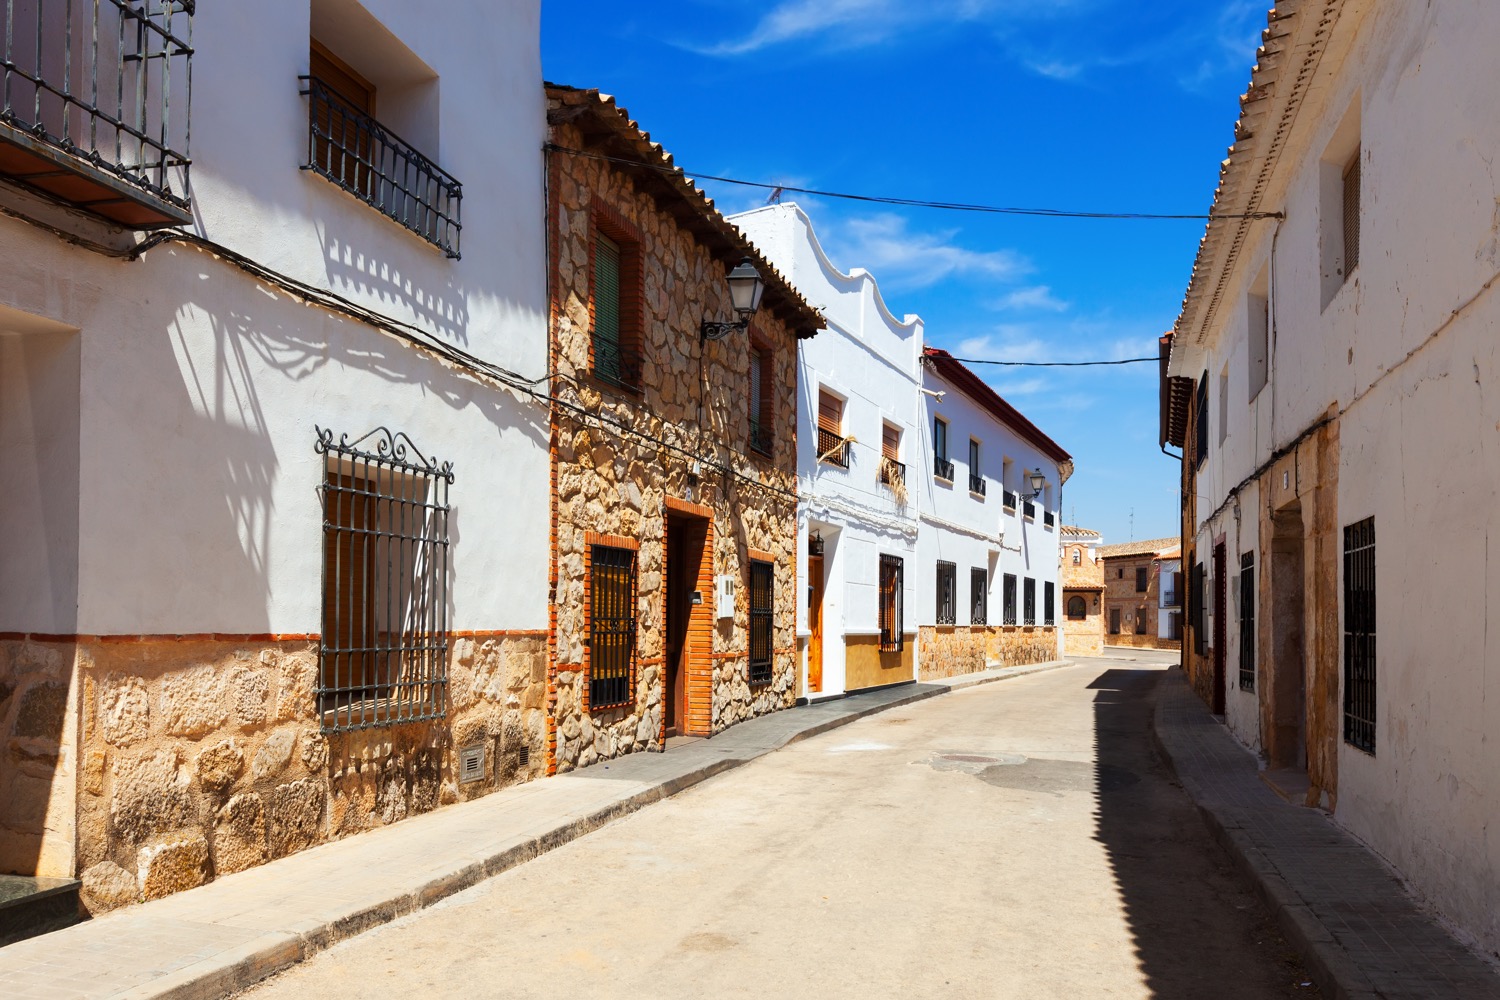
(605, 218)
(591, 539)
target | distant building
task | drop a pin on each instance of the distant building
(1134, 593)
(1083, 592)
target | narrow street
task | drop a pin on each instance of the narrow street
(1012, 840)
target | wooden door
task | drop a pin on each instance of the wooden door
(815, 623)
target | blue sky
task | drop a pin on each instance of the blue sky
(1096, 105)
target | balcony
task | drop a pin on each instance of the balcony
(1049, 519)
(943, 469)
(976, 484)
(616, 365)
(1008, 500)
(1169, 599)
(833, 448)
(369, 161)
(892, 472)
(1029, 511)
(96, 99)
(760, 437)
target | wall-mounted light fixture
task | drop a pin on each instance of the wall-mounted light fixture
(1038, 483)
(745, 289)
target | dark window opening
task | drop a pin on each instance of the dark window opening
(947, 593)
(762, 602)
(612, 624)
(892, 627)
(1009, 598)
(1028, 598)
(1142, 577)
(1359, 635)
(1247, 621)
(1049, 600)
(1078, 609)
(979, 597)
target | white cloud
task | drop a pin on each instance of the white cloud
(1038, 297)
(849, 24)
(885, 246)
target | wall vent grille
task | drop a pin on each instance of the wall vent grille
(525, 757)
(471, 763)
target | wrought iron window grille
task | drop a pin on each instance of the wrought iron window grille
(1028, 608)
(384, 647)
(1359, 635)
(833, 447)
(947, 593)
(979, 586)
(372, 163)
(96, 105)
(1009, 592)
(617, 365)
(1008, 500)
(976, 483)
(943, 469)
(1247, 621)
(892, 598)
(1049, 519)
(612, 625)
(762, 604)
(892, 472)
(1029, 510)
(760, 437)
(1049, 603)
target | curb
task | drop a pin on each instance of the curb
(276, 952)
(1329, 965)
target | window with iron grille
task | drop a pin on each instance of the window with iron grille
(1008, 598)
(947, 593)
(892, 627)
(612, 624)
(832, 448)
(1142, 578)
(614, 295)
(1200, 418)
(1247, 621)
(1049, 603)
(1351, 217)
(1359, 635)
(96, 102)
(383, 654)
(976, 477)
(348, 146)
(1028, 601)
(1196, 609)
(762, 376)
(979, 596)
(941, 466)
(762, 601)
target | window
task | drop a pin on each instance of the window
(1077, 557)
(615, 301)
(384, 647)
(762, 381)
(1142, 576)
(979, 596)
(1008, 596)
(611, 625)
(1028, 607)
(976, 478)
(1258, 316)
(341, 128)
(1247, 621)
(1196, 609)
(832, 447)
(892, 628)
(1223, 405)
(947, 593)
(1119, 572)
(1007, 495)
(762, 600)
(1049, 603)
(1140, 621)
(1174, 625)
(1078, 609)
(1200, 417)
(941, 467)
(892, 471)
(1351, 215)
(1359, 635)
(1114, 621)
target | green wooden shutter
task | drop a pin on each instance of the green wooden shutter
(607, 295)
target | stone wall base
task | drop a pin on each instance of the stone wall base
(1142, 642)
(953, 650)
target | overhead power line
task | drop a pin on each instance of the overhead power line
(1052, 364)
(949, 206)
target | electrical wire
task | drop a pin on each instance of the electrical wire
(950, 206)
(1052, 364)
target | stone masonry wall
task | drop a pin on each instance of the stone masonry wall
(38, 716)
(951, 650)
(690, 410)
(202, 756)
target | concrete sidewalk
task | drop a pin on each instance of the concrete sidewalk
(226, 935)
(1360, 931)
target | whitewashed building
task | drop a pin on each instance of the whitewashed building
(918, 537)
(1331, 380)
(275, 505)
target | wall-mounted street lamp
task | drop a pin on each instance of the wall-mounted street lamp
(1038, 483)
(745, 289)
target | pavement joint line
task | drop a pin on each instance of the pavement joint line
(148, 968)
(1360, 932)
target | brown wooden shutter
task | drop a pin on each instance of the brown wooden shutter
(830, 412)
(346, 152)
(890, 443)
(1351, 217)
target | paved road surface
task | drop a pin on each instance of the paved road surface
(1011, 840)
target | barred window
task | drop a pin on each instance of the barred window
(1359, 635)
(892, 628)
(1028, 592)
(762, 589)
(1247, 621)
(1009, 597)
(615, 298)
(1196, 616)
(1049, 603)
(947, 593)
(979, 596)
(611, 625)
(383, 655)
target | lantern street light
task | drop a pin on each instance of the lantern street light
(1038, 482)
(745, 290)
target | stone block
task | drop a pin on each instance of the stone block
(42, 710)
(172, 864)
(314, 752)
(124, 709)
(149, 797)
(296, 682)
(107, 886)
(295, 816)
(240, 834)
(219, 766)
(93, 772)
(192, 701)
(273, 757)
(250, 692)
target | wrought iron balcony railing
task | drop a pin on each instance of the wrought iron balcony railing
(616, 365)
(833, 448)
(1169, 599)
(892, 472)
(943, 468)
(760, 437)
(1029, 510)
(368, 160)
(95, 105)
(1048, 518)
(1008, 500)
(976, 484)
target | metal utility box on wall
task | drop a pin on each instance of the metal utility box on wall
(724, 596)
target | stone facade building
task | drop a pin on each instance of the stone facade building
(674, 500)
(1134, 592)
(1083, 592)
(273, 514)
(1330, 381)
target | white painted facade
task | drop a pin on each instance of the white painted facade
(868, 359)
(975, 529)
(1401, 353)
(157, 417)
(1171, 589)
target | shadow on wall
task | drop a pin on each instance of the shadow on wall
(356, 273)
